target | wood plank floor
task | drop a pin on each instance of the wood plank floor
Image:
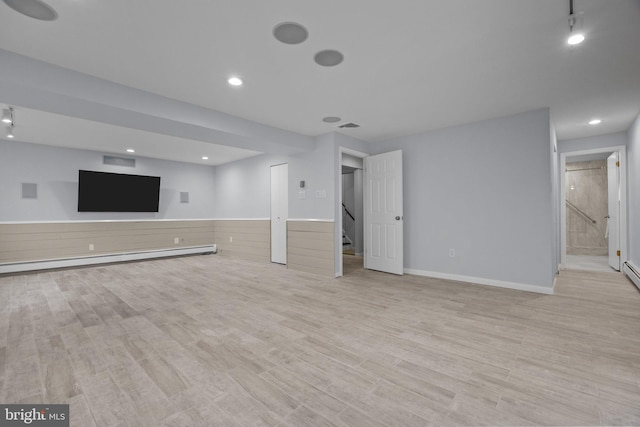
(209, 340)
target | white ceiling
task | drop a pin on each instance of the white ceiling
(410, 65)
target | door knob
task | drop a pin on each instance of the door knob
(397, 218)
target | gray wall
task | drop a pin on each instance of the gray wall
(485, 190)
(317, 169)
(593, 142)
(243, 187)
(55, 170)
(633, 189)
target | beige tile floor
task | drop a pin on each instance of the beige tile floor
(588, 262)
(207, 340)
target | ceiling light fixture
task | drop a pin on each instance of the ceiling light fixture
(576, 35)
(36, 9)
(7, 115)
(595, 122)
(290, 33)
(10, 132)
(235, 81)
(130, 150)
(205, 158)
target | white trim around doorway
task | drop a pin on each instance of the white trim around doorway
(622, 150)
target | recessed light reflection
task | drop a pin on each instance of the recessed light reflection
(235, 81)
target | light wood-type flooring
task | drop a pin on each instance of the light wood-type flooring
(209, 340)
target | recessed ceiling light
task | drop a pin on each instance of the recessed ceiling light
(290, 33)
(328, 58)
(34, 9)
(235, 81)
(595, 122)
(331, 119)
(130, 150)
(205, 158)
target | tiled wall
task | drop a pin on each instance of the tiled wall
(586, 188)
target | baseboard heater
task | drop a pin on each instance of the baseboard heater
(103, 259)
(632, 272)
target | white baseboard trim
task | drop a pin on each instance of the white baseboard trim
(632, 271)
(102, 259)
(481, 281)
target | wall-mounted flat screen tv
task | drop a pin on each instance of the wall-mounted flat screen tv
(116, 192)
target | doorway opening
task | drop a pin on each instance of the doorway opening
(593, 209)
(351, 219)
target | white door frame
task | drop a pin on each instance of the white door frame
(338, 214)
(613, 210)
(621, 149)
(278, 256)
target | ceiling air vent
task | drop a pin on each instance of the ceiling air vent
(349, 125)
(119, 161)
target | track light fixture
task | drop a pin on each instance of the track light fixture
(576, 35)
(7, 115)
(10, 132)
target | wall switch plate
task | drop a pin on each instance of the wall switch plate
(91, 247)
(452, 253)
(230, 239)
(176, 240)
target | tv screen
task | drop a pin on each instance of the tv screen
(115, 192)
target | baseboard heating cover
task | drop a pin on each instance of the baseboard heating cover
(632, 273)
(104, 259)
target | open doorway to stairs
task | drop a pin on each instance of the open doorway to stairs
(351, 216)
(593, 209)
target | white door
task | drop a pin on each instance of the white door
(613, 217)
(383, 216)
(279, 212)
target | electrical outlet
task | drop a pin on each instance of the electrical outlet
(176, 240)
(91, 247)
(230, 239)
(452, 253)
